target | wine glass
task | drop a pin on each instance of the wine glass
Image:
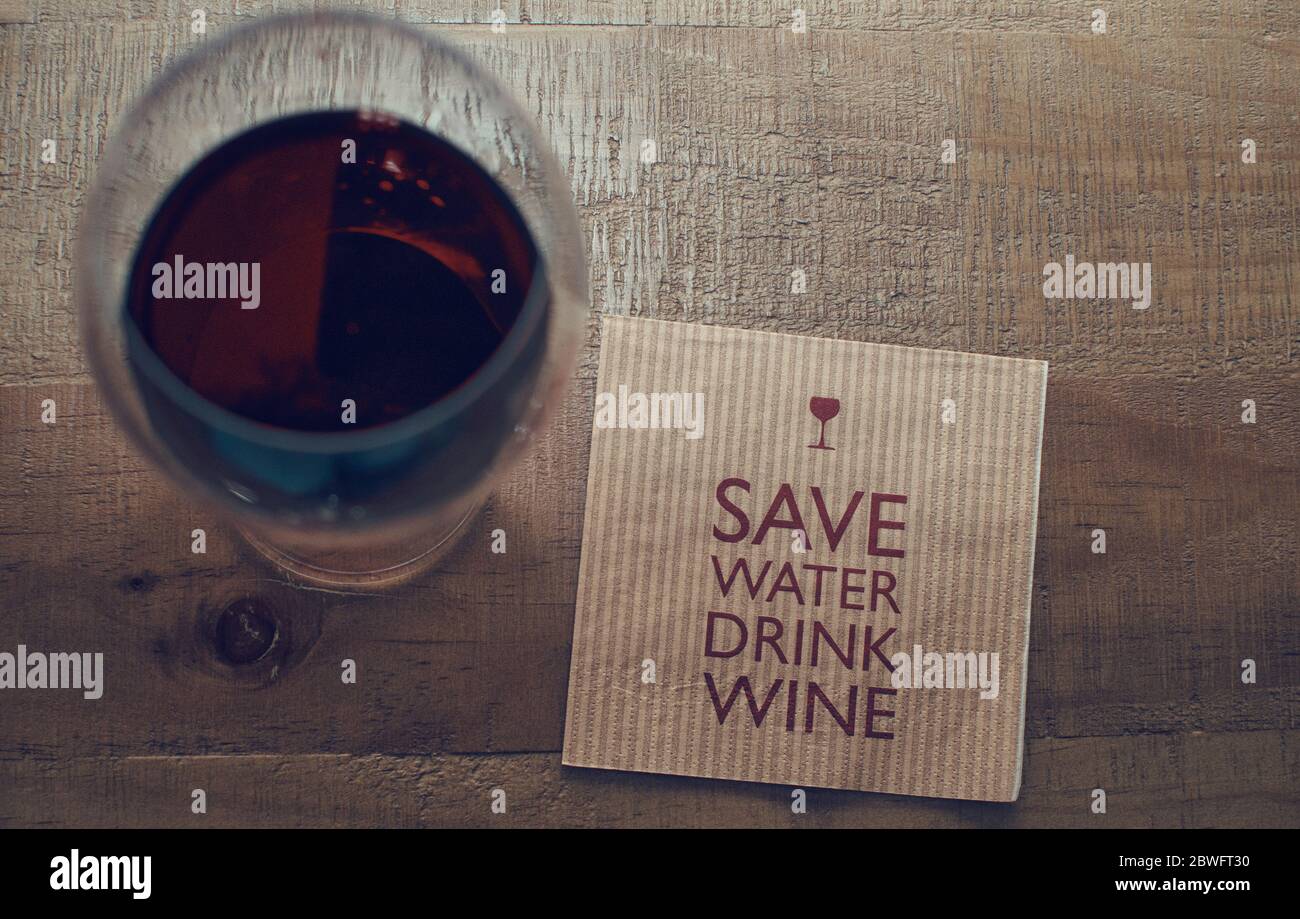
(824, 408)
(368, 506)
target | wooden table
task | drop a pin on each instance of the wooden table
(777, 151)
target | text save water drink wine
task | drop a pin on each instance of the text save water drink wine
(336, 315)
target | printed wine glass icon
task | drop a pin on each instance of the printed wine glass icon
(824, 408)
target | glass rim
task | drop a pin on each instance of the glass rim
(116, 160)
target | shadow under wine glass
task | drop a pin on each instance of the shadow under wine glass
(347, 508)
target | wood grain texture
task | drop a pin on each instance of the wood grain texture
(776, 151)
(1224, 780)
(1267, 19)
(15, 11)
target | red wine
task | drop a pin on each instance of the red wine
(345, 274)
(331, 257)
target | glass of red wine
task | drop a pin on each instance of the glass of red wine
(331, 281)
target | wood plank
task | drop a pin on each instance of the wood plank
(1264, 20)
(798, 168)
(1197, 780)
(474, 657)
(96, 555)
(830, 163)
